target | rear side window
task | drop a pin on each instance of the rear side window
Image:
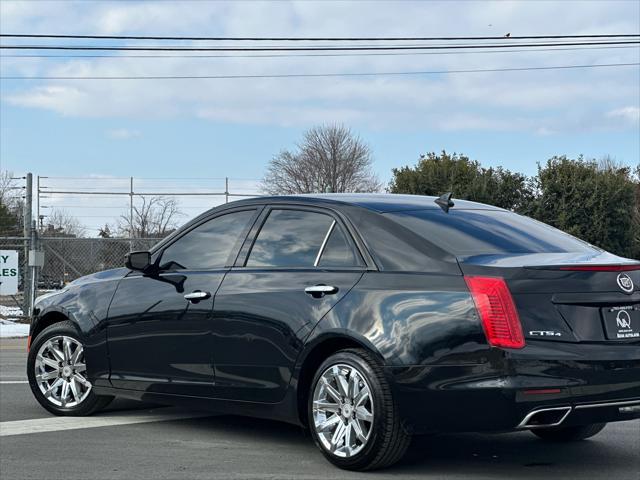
(299, 238)
(209, 245)
(485, 232)
(337, 251)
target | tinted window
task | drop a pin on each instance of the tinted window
(289, 238)
(479, 232)
(337, 251)
(208, 245)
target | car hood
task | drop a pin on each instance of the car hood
(114, 273)
(72, 288)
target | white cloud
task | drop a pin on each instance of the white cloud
(123, 134)
(630, 114)
(559, 100)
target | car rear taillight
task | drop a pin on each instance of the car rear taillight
(497, 311)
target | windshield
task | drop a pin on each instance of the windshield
(484, 232)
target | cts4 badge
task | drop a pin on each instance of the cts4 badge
(544, 333)
(625, 283)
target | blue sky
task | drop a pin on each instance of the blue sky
(218, 128)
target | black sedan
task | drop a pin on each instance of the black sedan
(364, 318)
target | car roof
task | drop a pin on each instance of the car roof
(377, 202)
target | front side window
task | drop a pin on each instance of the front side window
(207, 246)
(298, 238)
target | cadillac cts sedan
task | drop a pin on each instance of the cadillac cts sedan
(364, 318)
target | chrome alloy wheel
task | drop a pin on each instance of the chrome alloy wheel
(60, 372)
(343, 410)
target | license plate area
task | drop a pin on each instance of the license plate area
(622, 323)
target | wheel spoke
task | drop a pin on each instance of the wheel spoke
(347, 439)
(81, 380)
(338, 435)
(342, 381)
(52, 388)
(80, 367)
(328, 423)
(56, 353)
(354, 387)
(47, 376)
(66, 347)
(64, 395)
(76, 355)
(325, 406)
(74, 389)
(363, 414)
(358, 430)
(332, 391)
(47, 361)
(362, 397)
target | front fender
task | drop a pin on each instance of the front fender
(86, 304)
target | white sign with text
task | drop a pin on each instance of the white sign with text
(8, 272)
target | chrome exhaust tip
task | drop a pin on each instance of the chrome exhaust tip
(545, 417)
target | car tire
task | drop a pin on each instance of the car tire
(367, 416)
(57, 372)
(569, 434)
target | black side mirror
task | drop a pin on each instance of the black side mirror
(137, 260)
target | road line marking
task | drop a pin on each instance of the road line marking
(53, 424)
(10, 382)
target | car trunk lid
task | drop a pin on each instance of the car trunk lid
(569, 297)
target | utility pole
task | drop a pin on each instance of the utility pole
(131, 215)
(27, 225)
(38, 219)
(226, 189)
(36, 261)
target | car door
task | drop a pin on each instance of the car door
(301, 263)
(159, 326)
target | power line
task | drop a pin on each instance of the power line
(307, 75)
(351, 54)
(312, 39)
(174, 48)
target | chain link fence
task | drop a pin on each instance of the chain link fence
(59, 217)
(69, 258)
(66, 259)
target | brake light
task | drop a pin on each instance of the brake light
(497, 311)
(601, 268)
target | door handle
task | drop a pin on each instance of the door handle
(319, 291)
(195, 297)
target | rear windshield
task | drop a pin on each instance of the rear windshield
(483, 232)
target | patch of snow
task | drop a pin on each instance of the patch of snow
(9, 329)
(10, 312)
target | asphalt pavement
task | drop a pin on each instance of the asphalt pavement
(137, 441)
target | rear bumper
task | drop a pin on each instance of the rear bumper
(573, 384)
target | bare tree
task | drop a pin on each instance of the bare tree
(61, 223)
(329, 159)
(8, 188)
(11, 205)
(153, 217)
